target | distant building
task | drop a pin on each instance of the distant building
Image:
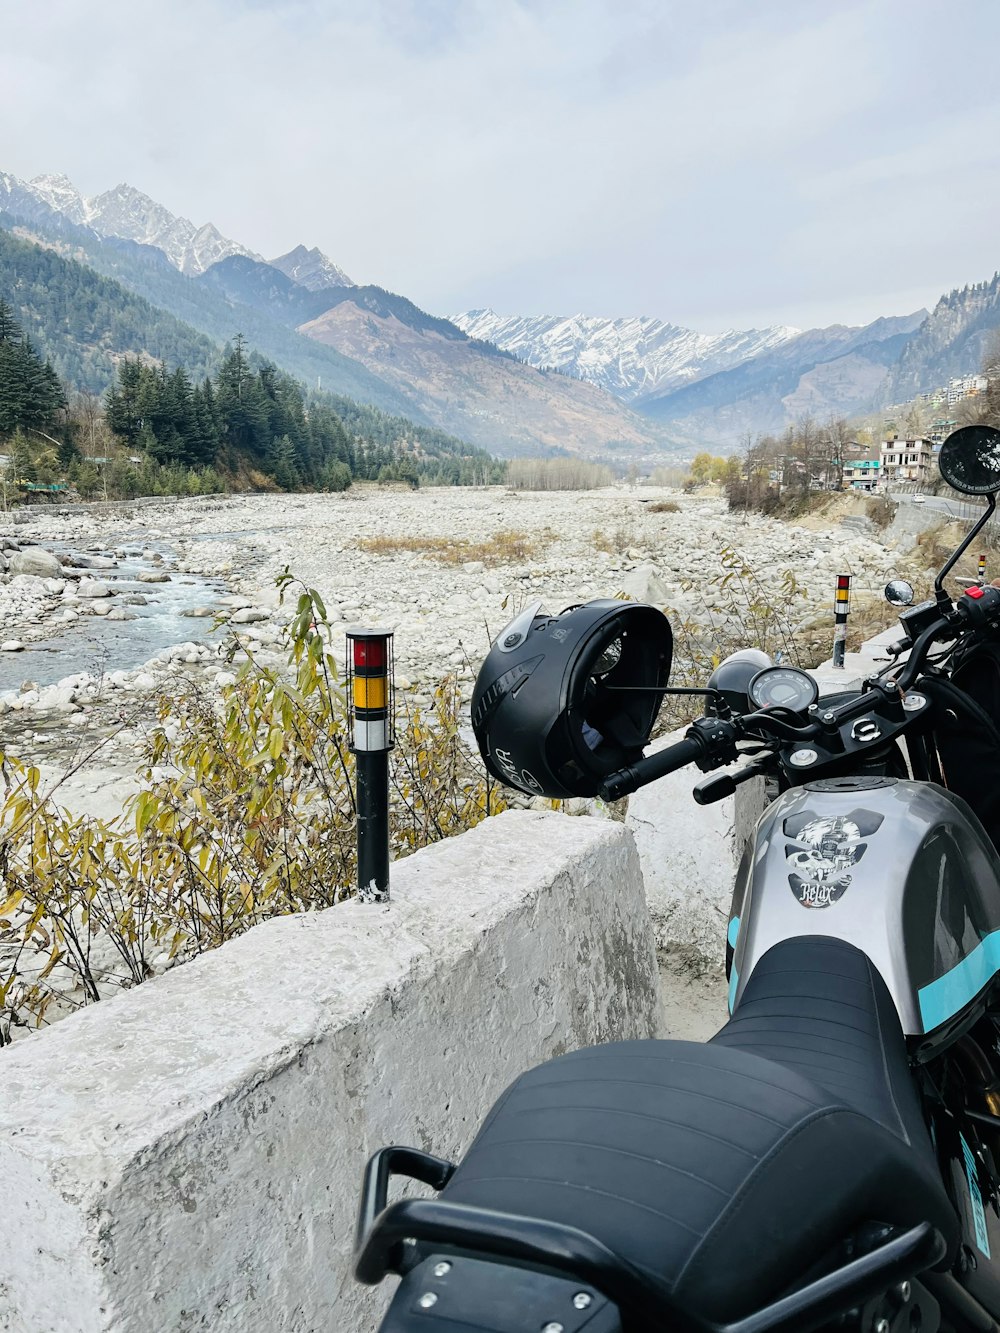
(862, 474)
(968, 386)
(906, 460)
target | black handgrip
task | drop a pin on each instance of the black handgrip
(720, 785)
(654, 766)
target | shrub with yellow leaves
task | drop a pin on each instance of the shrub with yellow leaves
(244, 811)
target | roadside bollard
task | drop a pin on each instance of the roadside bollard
(371, 691)
(982, 568)
(841, 607)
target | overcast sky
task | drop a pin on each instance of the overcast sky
(726, 163)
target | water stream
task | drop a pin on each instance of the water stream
(96, 644)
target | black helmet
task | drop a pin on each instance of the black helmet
(563, 701)
(732, 679)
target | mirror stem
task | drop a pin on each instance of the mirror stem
(939, 591)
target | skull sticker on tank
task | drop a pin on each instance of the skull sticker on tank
(822, 852)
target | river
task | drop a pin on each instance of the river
(97, 645)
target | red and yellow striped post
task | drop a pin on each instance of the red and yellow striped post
(841, 608)
(982, 568)
(370, 690)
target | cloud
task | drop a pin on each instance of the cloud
(709, 164)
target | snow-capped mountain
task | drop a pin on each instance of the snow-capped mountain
(131, 215)
(126, 213)
(311, 269)
(61, 194)
(631, 358)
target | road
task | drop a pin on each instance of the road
(965, 510)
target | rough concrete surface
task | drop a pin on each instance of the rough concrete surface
(689, 855)
(189, 1157)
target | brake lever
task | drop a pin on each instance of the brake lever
(718, 786)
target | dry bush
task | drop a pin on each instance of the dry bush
(740, 612)
(245, 812)
(936, 544)
(881, 511)
(557, 474)
(505, 545)
(677, 477)
(664, 507)
(615, 542)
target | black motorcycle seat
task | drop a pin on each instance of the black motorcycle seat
(726, 1170)
(819, 1006)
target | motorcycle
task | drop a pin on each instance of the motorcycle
(831, 1158)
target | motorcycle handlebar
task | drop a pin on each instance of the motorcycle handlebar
(914, 664)
(981, 610)
(648, 769)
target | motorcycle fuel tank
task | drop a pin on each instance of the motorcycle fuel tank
(903, 870)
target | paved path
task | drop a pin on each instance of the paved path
(966, 510)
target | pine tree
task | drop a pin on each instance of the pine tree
(122, 405)
(282, 463)
(241, 404)
(10, 330)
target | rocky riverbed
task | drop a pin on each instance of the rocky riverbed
(444, 568)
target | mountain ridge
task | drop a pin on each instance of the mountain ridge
(453, 387)
(129, 214)
(642, 383)
(835, 371)
(311, 269)
(631, 357)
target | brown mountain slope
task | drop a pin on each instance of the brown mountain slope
(485, 397)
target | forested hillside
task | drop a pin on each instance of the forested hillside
(84, 323)
(146, 273)
(169, 399)
(253, 418)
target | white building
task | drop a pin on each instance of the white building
(905, 460)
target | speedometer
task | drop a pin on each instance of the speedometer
(783, 687)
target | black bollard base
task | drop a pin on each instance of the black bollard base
(373, 825)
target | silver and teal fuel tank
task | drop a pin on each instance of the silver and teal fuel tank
(903, 870)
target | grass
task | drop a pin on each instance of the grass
(505, 545)
(616, 542)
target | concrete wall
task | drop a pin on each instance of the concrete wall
(188, 1156)
(689, 855)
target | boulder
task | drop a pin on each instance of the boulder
(93, 588)
(248, 615)
(35, 560)
(29, 583)
(153, 576)
(58, 699)
(643, 584)
(11, 646)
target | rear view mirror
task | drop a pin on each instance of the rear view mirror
(898, 592)
(970, 460)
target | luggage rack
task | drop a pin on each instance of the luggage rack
(389, 1237)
